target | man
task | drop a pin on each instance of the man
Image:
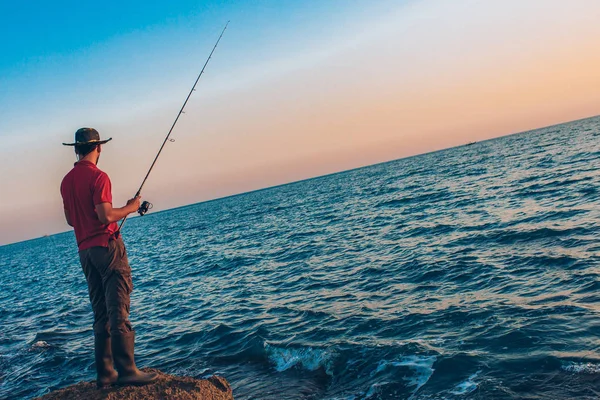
(87, 198)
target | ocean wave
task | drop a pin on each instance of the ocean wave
(587, 368)
(374, 390)
(467, 386)
(420, 366)
(307, 358)
(514, 236)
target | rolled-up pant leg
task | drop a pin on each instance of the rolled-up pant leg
(111, 265)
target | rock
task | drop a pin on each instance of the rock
(167, 387)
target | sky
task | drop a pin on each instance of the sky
(294, 90)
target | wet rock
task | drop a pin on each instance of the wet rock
(167, 387)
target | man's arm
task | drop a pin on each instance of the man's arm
(67, 217)
(107, 214)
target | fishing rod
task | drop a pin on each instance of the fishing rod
(145, 206)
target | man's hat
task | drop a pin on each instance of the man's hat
(87, 136)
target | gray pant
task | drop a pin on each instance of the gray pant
(108, 276)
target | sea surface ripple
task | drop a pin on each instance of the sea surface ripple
(468, 273)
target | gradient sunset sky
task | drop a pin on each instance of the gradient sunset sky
(295, 89)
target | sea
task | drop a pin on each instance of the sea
(467, 273)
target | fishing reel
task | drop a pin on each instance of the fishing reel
(144, 207)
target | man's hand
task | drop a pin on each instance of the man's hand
(107, 214)
(134, 204)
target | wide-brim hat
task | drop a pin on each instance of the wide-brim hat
(85, 136)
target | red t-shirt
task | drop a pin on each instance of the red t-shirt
(82, 189)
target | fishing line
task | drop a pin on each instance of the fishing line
(145, 206)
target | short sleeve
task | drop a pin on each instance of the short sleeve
(102, 191)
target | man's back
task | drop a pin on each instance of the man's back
(84, 187)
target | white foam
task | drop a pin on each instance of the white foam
(374, 389)
(421, 365)
(582, 368)
(423, 341)
(40, 344)
(467, 386)
(350, 397)
(306, 357)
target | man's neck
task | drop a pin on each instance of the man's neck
(92, 157)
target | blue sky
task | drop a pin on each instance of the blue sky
(58, 52)
(55, 53)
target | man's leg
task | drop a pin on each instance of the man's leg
(106, 374)
(116, 277)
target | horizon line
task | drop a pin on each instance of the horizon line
(321, 176)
